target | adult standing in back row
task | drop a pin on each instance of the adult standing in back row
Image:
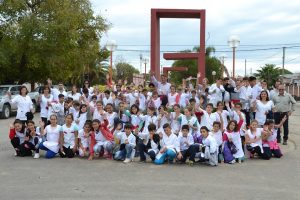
(163, 87)
(284, 106)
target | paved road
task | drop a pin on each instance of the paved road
(26, 178)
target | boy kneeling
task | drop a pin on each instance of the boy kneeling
(169, 146)
(150, 144)
(128, 143)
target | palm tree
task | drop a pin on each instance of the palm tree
(269, 73)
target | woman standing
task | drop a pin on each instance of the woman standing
(45, 100)
(24, 104)
(74, 94)
(263, 106)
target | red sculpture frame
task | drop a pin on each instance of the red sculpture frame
(156, 14)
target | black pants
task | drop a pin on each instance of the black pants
(26, 148)
(278, 117)
(190, 152)
(247, 115)
(143, 149)
(269, 152)
(255, 150)
(15, 142)
(68, 153)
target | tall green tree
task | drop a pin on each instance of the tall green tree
(48, 38)
(125, 71)
(211, 63)
(270, 73)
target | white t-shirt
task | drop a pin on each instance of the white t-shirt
(172, 99)
(255, 136)
(52, 142)
(69, 135)
(99, 137)
(261, 110)
(55, 92)
(85, 141)
(110, 118)
(24, 105)
(216, 94)
(208, 119)
(44, 105)
(218, 137)
(97, 115)
(82, 119)
(75, 96)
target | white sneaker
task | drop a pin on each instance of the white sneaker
(36, 156)
(127, 160)
(16, 154)
(232, 162)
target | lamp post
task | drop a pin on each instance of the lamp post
(233, 42)
(145, 60)
(222, 58)
(213, 73)
(111, 46)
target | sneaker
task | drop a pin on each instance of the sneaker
(251, 155)
(36, 155)
(284, 142)
(232, 162)
(190, 163)
(127, 160)
(15, 154)
(278, 140)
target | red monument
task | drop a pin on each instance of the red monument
(156, 14)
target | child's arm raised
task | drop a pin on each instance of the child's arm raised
(281, 122)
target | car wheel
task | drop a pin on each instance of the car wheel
(6, 112)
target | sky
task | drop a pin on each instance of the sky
(263, 26)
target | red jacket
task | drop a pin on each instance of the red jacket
(12, 133)
(105, 132)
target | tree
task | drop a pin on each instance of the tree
(48, 38)
(125, 71)
(269, 73)
(211, 63)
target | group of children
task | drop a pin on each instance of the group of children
(162, 124)
(122, 125)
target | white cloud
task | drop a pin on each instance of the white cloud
(255, 21)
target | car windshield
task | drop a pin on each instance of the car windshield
(3, 90)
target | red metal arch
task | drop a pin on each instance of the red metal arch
(156, 14)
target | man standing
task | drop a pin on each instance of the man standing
(216, 90)
(274, 91)
(284, 106)
(163, 88)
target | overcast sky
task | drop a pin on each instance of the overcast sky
(260, 24)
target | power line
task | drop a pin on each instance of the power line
(225, 45)
(223, 51)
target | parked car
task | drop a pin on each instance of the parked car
(6, 107)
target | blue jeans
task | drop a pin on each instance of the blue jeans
(169, 154)
(124, 153)
(49, 153)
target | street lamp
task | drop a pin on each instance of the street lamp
(233, 42)
(145, 60)
(213, 73)
(111, 46)
(222, 58)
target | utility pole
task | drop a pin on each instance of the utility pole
(283, 59)
(141, 62)
(245, 67)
